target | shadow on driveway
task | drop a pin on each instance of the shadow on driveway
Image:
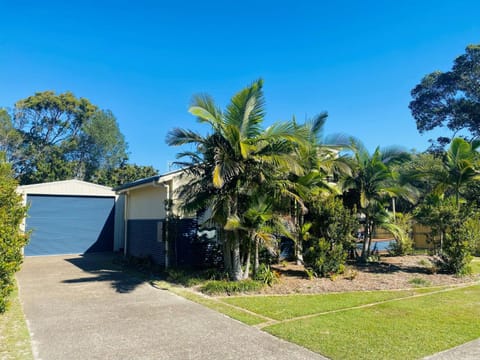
(106, 267)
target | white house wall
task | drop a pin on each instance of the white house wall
(147, 203)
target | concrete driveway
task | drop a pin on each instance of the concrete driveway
(83, 307)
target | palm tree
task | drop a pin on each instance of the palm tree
(371, 183)
(448, 175)
(459, 166)
(236, 157)
(320, 159)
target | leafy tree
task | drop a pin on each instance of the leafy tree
(12, 213)
(124, 174)
(101, 144)
(457, 228)
(450, 99)
(330, 238)
(56, 137)
(229, 163)
(10, 138)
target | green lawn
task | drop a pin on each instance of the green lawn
(287, 307)
(14, 336)
(406, 329)
(399, 327)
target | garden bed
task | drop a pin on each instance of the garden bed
(387, 274)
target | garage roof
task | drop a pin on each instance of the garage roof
(67, 187)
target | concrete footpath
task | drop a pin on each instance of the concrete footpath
(468, 351)
(83, 308)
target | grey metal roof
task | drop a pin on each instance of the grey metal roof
(151, 179)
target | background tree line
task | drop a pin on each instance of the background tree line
(50, 137)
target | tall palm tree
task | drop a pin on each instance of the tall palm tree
(321, 161)
(459, 166)
(448, 175)
(371, 184)
(233, 159)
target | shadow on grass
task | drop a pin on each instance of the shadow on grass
(107, 267)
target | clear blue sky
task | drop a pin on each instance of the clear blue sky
(144, 60)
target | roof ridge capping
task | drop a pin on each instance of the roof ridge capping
(69, 181)
(145, 181)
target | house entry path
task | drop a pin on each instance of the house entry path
(85, 307)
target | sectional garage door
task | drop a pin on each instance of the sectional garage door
(69, 224)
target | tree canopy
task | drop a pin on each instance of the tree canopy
(50, 137)
(450, 99)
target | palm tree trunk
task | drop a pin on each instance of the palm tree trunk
(236, 258)
(366, 240)
(227, 254)
(299, 242)
(256, 261)
(247, 261)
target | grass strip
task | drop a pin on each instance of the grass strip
(404, 329)
(233, 312)
(14, 336)
(292, 306)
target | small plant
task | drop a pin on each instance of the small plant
(424, 262)
(350, 274)
(284, 263)
(431, 267)
(216, 287)
(310, 273)
(419, 282)
(266, 275)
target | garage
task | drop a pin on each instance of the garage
(69, 217)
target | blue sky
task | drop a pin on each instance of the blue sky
(143, 60)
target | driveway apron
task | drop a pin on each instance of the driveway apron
(84, 307)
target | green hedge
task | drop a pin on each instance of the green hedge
(12, 213)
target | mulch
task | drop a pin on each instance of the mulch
(389, 273)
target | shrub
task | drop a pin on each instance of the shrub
(458, 246)
(325, 258)
(266, 275)
(403, 244)
(188, 277)
(216, 287)
(12, 213)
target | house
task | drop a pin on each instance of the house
(70, 217)
(153, 225)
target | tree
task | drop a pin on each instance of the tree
(124, 174)
(10, 138)
(319, 157)
(450, 173)
(370, 185)
(330, 238)
(450, 99)
(229, 163)
(459, 165)
(12, 213)
(56, 137)
(101, 144)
